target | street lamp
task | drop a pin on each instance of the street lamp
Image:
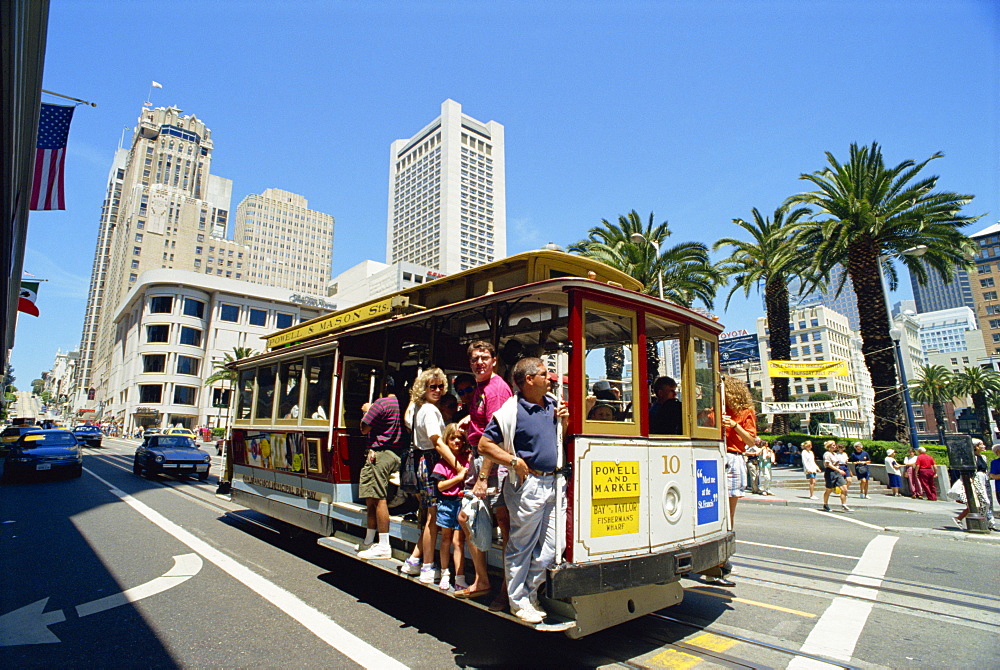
(639, 238)
(895, 333)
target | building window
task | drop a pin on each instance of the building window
(191, 336)
(985, 283)
(194, 308)
(158, 333)
(187, 365)
(258, 317)
(136, 251)
(282, 320)
(989, 295)
(984, 268)
(154, 362)
(161, 304)
(229, 313)
(185, 395)
(150, 394)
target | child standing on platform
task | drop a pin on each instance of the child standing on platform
(450, 484)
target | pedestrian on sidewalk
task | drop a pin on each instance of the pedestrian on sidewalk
(841, 454)
(892, 470)
(927, 472)
(767, 459)
(979, 486)
(995, 473)
(810, 468)
(833, 475)
(910, 472)
(753, 466)
(861, 460)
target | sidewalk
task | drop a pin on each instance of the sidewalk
(788, 484)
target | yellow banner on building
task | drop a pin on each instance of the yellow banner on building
(808, 369)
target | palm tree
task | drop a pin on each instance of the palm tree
(687, 271)
(933, 386)
(221, 371)
(769, 260)
(978, 383)
(876, 212)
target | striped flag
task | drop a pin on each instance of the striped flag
(28, 296)
(47, 190)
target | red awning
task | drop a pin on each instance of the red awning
(81, 411)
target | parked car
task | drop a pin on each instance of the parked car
(44, 450)
(181, 431)
(171, 454)
(150, 431)
(12, 433)
(89, 435)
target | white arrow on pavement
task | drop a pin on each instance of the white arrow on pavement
(185, 567)
(29, 625)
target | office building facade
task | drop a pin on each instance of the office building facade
(986, 285)
(164, 209)
(447, 194)
(936, 295)
(290, 245)
(818, 333)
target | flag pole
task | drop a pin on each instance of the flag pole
(60, 95)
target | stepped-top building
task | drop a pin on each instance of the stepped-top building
(447, 194)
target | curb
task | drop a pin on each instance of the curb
(961, 535)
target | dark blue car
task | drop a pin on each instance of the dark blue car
(89, 435)
(44, 451)
(171, 454)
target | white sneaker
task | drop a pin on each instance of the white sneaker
(376, 551)
(426, 575)
(445, 584)
(529, 614)
(410, 567)
(813, 498)
(363, 546)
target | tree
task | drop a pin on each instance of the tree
(874, 212)
(933, 386)
(222, 372)
(771, 257)
(978, 383)
(687, 271)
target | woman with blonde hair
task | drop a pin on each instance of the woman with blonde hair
(740, 423)
(424, 420)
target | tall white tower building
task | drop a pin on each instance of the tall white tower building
(447, 194)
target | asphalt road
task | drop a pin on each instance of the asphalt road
(112, 570)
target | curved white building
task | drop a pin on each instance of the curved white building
(170, 330)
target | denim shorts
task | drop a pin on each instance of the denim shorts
(447, 512)
(810, 475)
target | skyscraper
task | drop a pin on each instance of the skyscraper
(937, 295)
(290, 245)
(164, 209)
(846, 303)
(987, 302)
(447, 194)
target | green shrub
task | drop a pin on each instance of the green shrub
(218, 432)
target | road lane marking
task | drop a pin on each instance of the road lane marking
(840, 515)
(704, 591)
(311, 618)
(836, 633)
(675, 660)
(185, 567)
(712, 642)
(804, 551)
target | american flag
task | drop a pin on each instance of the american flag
(47, 190)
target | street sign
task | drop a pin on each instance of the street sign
(960, 456)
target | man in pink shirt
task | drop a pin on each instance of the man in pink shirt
(491, 392)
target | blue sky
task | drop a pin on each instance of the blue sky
(697, 111)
